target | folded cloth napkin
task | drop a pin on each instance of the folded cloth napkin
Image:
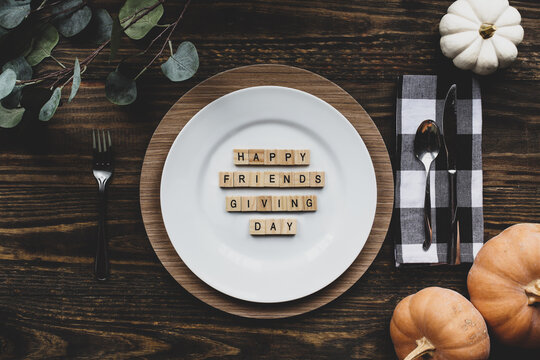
(421, 97)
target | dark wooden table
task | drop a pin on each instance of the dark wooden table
(50, 306)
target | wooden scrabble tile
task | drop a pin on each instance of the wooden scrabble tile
(295, 203)
(310, 202)
(301, 179)
(264, 203)
(256, 179)
(285, 157)
(286, 179)
(273, 227)
(256, 156)
(249, 203)
(225, 179)
(301, 157)
(270, 157)
(316, 179)
(279, 203)
(271, 179)
(241, 179)
(240, 157)
(233, 203)
(288, 226)
(257, 227)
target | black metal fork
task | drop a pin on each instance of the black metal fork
(103, 171)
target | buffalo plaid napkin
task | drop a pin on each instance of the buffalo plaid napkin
(421, 97)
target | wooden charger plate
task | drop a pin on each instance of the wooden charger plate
(208, 91)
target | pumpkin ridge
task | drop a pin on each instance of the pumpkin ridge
(501, 277)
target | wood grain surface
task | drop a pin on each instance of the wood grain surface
(212, 89)
(50, 306)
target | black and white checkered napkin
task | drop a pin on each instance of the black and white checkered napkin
(421, 97)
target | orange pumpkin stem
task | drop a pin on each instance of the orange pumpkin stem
(532, 290)
(424, 347)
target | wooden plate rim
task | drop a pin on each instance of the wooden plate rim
(209, 90)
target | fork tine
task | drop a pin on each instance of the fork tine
(104, 141)
(94, 139)
(98, 141)
(109, 135)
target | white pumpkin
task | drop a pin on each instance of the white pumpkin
(481, 35)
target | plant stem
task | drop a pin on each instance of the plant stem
(172, 27)
(532, 290)
(170, 47)
(424, 346)
(58, 61)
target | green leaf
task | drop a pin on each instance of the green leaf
(13, 12)
(8, 78)
(24, 72)
(116, 35)
(68, 22)
(130, 11)
(10, 117)
(76, 80)
(183, 64)
(101, 26)
(120, 89)
(44, 42)
(48, 110)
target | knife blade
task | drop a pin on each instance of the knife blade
(450, 146)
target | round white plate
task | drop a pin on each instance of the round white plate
(216, 245)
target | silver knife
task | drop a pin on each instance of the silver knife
(450, 146)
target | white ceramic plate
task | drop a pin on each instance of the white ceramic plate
(216, 245)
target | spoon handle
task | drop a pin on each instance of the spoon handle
(427, 216)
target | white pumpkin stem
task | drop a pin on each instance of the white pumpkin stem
(532, 290)
(487, 30)
(424, 347)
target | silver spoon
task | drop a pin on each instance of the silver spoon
(427, 144)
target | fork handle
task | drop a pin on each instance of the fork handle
(101, 264)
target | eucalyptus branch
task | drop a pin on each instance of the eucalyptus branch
(172, 27)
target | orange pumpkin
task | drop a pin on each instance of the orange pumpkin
(504, 284)
(439, 323)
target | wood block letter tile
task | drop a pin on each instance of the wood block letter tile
(286, 157)
(256, 156)
(225, 179)
(249, 203)
(288, 226)
(310, 202)
(286, 179)
(240, 157)
(316, 179)
(295, 203)
(301, 157)
(241, 179)
(279, 203)
(273, 226)
(257, 227)
(256, 179)
(271, 179)
(264, 203)
(270, 157)
(233, 203)
(301, 179)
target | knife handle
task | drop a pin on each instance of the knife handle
(428, 233)
(454, 225)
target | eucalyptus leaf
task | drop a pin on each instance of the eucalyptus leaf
(120, 89)
(3, 31)
(10, 117)
(8, 78)
(183, 64)
(48, 110)
(101, 25)
(70, 23)
(43, 44)
(24, 72)
(13, 12)
(140, 28)
(116, 35)
(76, 80)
